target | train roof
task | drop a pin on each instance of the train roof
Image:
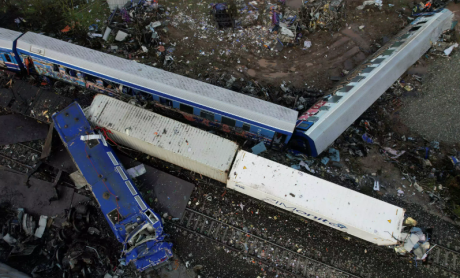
(164, 138)
(317, 199)
(7, 37)
(348, 103)
(207, 95)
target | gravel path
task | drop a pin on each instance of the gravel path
(435, 113)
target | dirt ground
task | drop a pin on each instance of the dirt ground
(333, 51)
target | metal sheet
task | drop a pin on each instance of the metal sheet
(316, 199)
(164, 138)
(36, 198)
(17, 128)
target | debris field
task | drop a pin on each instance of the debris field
(403, 150)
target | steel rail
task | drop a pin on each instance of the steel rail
(294, 254)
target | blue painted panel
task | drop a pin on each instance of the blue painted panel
(7, 50)
(109, 184)
(151, 91)
(218, 118)
(155, 97)
(239, 124)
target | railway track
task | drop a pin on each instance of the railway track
(446, 260)
(271, 254)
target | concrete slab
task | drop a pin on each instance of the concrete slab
(17, 128)
(35, 199)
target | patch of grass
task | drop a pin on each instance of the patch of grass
(80, 14)
(50, 16)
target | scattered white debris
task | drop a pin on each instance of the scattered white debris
(449, 50)
(41, 226)
(136, 171)
(121, 36)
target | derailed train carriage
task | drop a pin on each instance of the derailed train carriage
(133, 222)
(249, 117)
(212, 156)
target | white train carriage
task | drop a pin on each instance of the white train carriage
(172, 141)
(328, 119)
(316, 199)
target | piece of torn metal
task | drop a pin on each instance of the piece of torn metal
(41, 226)
(106, 35)
(10, 240)
(121, 36)
(259, 148)
(28, 224)
(78, 179)
(136, 171)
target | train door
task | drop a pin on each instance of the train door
(300, 141)
(8, 61)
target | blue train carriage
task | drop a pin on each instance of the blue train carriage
(9, 58)
(134, 224)
(197, 101)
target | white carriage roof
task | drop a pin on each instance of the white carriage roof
(194, 91)
(7, 37)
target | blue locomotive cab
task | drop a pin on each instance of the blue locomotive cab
(134, 224)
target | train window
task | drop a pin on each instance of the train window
(228, 121)
(151, 216)
(166, 102)
(109, 85)
(414, 28)
(91, 78)
(55, 67)
(71, 72)
(405, 36)
(368, 69)
(346, 89)
(388, 52)
(397, 44)
(7, 57)
(246, 127)
(358, 78)
(207, 115)
(186, 108)
(378, 61)
(335, 99)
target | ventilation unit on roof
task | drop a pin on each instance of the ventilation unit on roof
(36, 50)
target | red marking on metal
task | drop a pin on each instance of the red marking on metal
(313, 110)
